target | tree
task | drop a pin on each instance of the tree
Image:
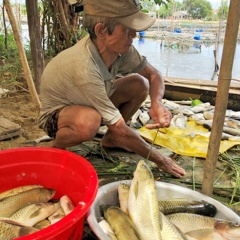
(168, 10)
(198, 9)
(35, 40)
(223, 10)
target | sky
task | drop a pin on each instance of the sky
(215, 3)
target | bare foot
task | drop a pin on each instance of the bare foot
(169, 166)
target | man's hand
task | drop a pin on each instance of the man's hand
(160, 116)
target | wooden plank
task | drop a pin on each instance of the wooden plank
(8, 129)
(234, 86)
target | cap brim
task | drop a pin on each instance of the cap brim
(138, 21)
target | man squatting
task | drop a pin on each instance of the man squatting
(103, 80)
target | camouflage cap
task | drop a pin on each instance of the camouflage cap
(125, 12)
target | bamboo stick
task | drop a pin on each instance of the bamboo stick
(224, 80)
(22, 54)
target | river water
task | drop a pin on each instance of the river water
(190, 64)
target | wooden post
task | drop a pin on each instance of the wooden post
(22, 54)
(224, 80)
(37, 53)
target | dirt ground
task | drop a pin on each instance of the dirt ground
(19, 108)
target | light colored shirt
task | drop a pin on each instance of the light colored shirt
(78, 76)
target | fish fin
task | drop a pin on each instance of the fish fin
(11, 221)
(201, 234)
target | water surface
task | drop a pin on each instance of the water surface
(191, 64)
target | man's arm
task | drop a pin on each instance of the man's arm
(160, 115)
(120, 135)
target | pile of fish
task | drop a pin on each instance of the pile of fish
(183, 111)
(141, 215)
(27, 209)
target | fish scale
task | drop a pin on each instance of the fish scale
(10, 229)
(10, 205)
(34, 213)
(121, 224)
(143, 203)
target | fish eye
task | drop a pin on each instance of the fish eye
(236, 224)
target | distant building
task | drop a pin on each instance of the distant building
(180, 15)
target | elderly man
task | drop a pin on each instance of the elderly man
(103, 79)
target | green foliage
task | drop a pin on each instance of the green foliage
(8, 47)
(168, 10)
(9, 59)
(162, 2)
(198, 9)
(150, 5)
(223, 10)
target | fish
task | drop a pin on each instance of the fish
(189, 222)
(134, 120)
(170, 105)
(184, 102)
(202, 107)
(144, 117)
(204, 234)
(229, 230)
(66, 204)
(10, 205)
(232, 131)
(232, 114)
(104, 225)
(233, 123)
(170, 231)
(17, 190)
(184, 111)
(42, 224)
(122, 226)
(143, 203)
(179, 121)
(208, 115)
(58, 214)
(196, 117)
(34, 213)
(182, 205)
(123, 193)
(10, 229)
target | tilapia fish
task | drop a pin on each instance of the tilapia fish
(183, 205)
(143, 203)
(10, 229)
(121, 224)
(10, 205)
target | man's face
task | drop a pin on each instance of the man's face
(120, 40)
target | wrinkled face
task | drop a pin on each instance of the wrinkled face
(120, 40)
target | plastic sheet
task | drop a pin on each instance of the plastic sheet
(190, 141)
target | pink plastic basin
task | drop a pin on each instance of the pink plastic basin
(68, 173)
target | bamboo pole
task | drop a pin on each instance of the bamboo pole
(22, 54)
(224, 80)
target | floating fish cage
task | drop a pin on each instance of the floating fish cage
(66, 172)
(108, 195)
